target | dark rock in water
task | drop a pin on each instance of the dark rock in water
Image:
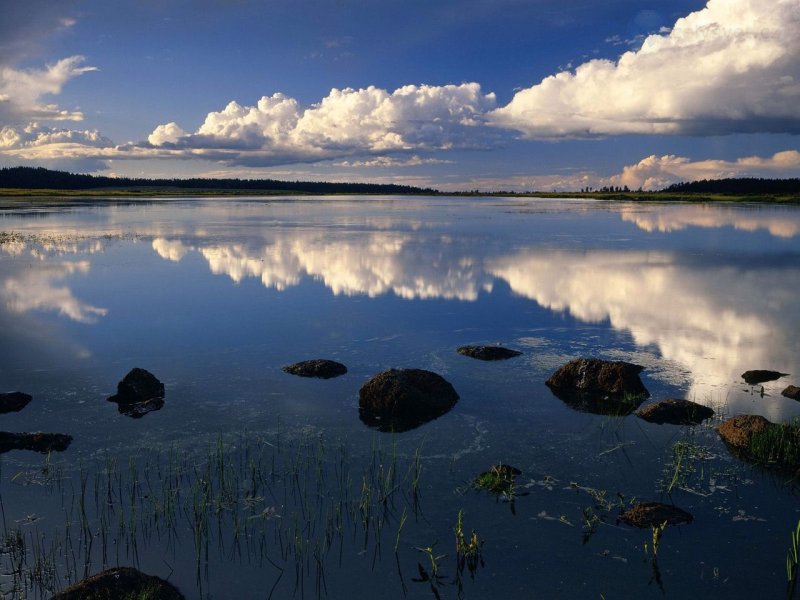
(675, 412)
(14, 401)
(137, 386)
(402, 399)
(653, 514)
(599, 386)
(595, 376)
(761, 376)
(792, 392)
(120, 582)
(139, 393)
(738, 431)
(38, 442)
(321, 368)
(488, 352)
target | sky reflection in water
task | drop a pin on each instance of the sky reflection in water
(214, 296)
(709, 290)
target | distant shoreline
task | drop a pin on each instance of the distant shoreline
(147, 192)
(21, 182)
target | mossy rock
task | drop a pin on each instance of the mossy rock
(755, 439)
(654, 514)
(675, 412)
(121, 583)
(738, 431)
(319, 367)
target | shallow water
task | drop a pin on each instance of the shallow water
(214, 295)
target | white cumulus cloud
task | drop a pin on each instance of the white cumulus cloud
(657, 172)
(733, 66)
(348, 122)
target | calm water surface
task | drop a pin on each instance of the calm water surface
(214, 295)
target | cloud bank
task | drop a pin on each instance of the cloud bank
(730, 67)
(657, 172)
(348, 122)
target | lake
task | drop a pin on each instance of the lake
(253, 483)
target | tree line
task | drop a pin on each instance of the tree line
(41, 178)
(741, 186)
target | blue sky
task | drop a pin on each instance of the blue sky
(455, 94)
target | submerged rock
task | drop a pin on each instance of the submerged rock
(321, 368)
(675, 412)
(120, 582)
(139, 393)
(599, 386)
(488, 352)
(738, 431)
(653, 514)
(137, 410)
(14, 401)
(402, 399)
(37, 442)
(792, 392)
(761, 376)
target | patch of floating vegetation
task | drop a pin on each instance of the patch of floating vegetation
(10, 237)
(289, 506)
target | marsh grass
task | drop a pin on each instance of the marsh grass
(693, 467)
(291, 507)
(468, 550)
(792, 560)
(777, 446)
(599, 512)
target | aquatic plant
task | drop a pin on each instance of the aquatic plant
(468, 552)
(776, 446)
(792, 561)
(433, 561)
(658, 531)
(285, 504)
(498, 480)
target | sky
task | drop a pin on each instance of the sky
(453, 94)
